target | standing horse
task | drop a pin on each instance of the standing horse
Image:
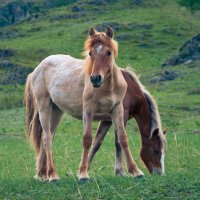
(94, 92)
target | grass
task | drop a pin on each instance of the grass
(17, 165)
(178, 101)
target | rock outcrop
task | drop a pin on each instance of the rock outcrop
(189, 52)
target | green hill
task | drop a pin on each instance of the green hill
(148, 32)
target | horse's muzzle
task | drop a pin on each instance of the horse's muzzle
(158, 171)
(96, 80)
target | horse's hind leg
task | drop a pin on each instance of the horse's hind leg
(45, 111)
(56, 115)
(100, 134)
(41, 165)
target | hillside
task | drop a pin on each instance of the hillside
(148, 34)
(157, 39)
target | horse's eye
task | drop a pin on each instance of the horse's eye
(156, 152)
(90, 53)
(108, 53)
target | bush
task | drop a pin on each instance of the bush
(190, 4)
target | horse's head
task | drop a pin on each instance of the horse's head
(153, 152)
(101, 51)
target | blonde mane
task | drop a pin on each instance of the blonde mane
(155, 116)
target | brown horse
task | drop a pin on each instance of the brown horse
(94, 92)
(138, 104)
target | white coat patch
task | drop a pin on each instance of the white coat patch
(162, 163)
(98, 49)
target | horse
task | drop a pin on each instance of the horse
(138, 103)
(93, 89)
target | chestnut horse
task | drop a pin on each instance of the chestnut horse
(92, 90)
(138, 104)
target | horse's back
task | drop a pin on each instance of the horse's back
(53, 66)
(58, 59)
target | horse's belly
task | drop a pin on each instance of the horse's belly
(68, 101)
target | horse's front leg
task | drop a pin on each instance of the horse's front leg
(100, 134)
(87, 141)
(118, 170)
(118, 120)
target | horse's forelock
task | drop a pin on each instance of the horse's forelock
(101, 38)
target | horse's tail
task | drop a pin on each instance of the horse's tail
(33, 125)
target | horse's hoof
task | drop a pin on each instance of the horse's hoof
(54, 179)
(40, 178)
(84, 180)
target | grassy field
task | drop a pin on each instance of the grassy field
(148, 35)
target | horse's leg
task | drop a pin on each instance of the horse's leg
(100, 134)
(118, 120)
(41, 165)
(119, 171)
(87, 141)
(45, 112)
(56, 115)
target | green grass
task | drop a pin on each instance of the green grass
(18, 165)
(178, 101)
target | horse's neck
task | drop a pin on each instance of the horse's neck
(143, 118)
(113, 79)
(139, 108)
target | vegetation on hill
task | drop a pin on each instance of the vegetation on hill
(191, 4)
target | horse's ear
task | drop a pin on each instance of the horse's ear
(91, 32)
(109, 32)
(155, 132)
(165, 131)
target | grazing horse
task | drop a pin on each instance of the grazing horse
(92, 89)
(138, 104)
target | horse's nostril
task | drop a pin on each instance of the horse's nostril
(95, 79)
(98, 78)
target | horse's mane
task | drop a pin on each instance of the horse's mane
(155, 116)
(101, 38)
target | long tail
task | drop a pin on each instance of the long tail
(33, 125)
